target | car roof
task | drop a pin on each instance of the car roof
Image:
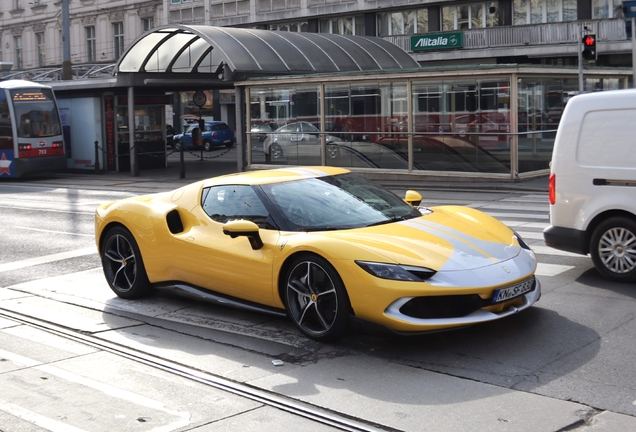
(275, 175)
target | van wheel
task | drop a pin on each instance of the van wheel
(613, 249)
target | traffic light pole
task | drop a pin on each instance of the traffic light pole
(580, 50)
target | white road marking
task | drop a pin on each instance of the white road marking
(547, 250)
(531, 235)
(519, 215)
(44, 209)
(47, 259)
(538, 225)
(36, 419)
(55, 232)
(551, 269)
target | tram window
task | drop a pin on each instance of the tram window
(305, 104)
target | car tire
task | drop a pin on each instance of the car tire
(123, 266)
(177, 146)
(613, 249)
(276, 151)
(207, 145)
(315, 298)
(229, 145)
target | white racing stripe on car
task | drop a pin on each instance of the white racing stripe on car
(492, 250)
(47, 259)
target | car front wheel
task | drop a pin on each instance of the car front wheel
(613, 249)
(276, 151)
(123, 266)
(177, 145)
(316, 299)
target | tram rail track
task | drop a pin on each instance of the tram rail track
(294, 407)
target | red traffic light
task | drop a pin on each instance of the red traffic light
(589, 40)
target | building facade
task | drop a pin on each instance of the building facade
(491, 32)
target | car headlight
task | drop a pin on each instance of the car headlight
(396, 271)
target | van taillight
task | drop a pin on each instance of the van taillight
(552, 188)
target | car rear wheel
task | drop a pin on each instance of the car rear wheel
(123, 266)
(276, 151)
(177, 145)
(229, 145)
(316, 299)
(613, 249)
(207, 145)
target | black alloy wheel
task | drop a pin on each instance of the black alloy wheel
(123, 266)
(316, 298)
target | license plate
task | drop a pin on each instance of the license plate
(510, 292)
(227, 141)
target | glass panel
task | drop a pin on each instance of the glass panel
(359, 23)
(492, 14)
(448, 18)
(602, 9)
(409, 22)
(462, 17)
(161, 58)
(383, 25)
(137, 54)
(348, 25)
(553, 10)
(397, 23)
(211, 62)
(520, 11)
(284, 126)
(569, 10)
(422, 21)
(477, 16)
(336, 26)
(190, 56)
(536, 11)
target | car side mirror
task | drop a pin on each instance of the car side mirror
(413, 198)
(244, 228)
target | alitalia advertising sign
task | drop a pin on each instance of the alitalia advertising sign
(437, 41)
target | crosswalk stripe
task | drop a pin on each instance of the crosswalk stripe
(544, 269)
(519, 215)
(547, 250)
(531, 235)
(47, 259)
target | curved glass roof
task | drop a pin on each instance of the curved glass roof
(235, 53)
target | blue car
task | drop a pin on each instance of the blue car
(214, 134)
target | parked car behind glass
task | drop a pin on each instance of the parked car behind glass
(214, 134)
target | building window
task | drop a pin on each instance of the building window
(549, 11)
(17, 4)
(41, 49)
(17, 43)
(90, 44)
(470, 16)
(147, 23)
(352, 25)
(118, 39)
(291, 27)
(605, 8)
(403, 22)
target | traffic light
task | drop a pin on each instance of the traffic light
(589, 47)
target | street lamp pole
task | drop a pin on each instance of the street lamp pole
(66, 42)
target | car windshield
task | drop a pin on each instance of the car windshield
(336, 202)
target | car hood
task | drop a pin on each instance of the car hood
(446, 240)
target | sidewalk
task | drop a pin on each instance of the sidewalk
(211, 166)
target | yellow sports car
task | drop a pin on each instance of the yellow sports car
(322, 245)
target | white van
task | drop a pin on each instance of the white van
(593, 182)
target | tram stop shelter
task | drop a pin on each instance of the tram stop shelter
(360, 102)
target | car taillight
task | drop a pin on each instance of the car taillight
(213, 134)
(552, 188)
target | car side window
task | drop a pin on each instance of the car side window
(231, 202)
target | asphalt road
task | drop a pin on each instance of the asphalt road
(565, 364)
